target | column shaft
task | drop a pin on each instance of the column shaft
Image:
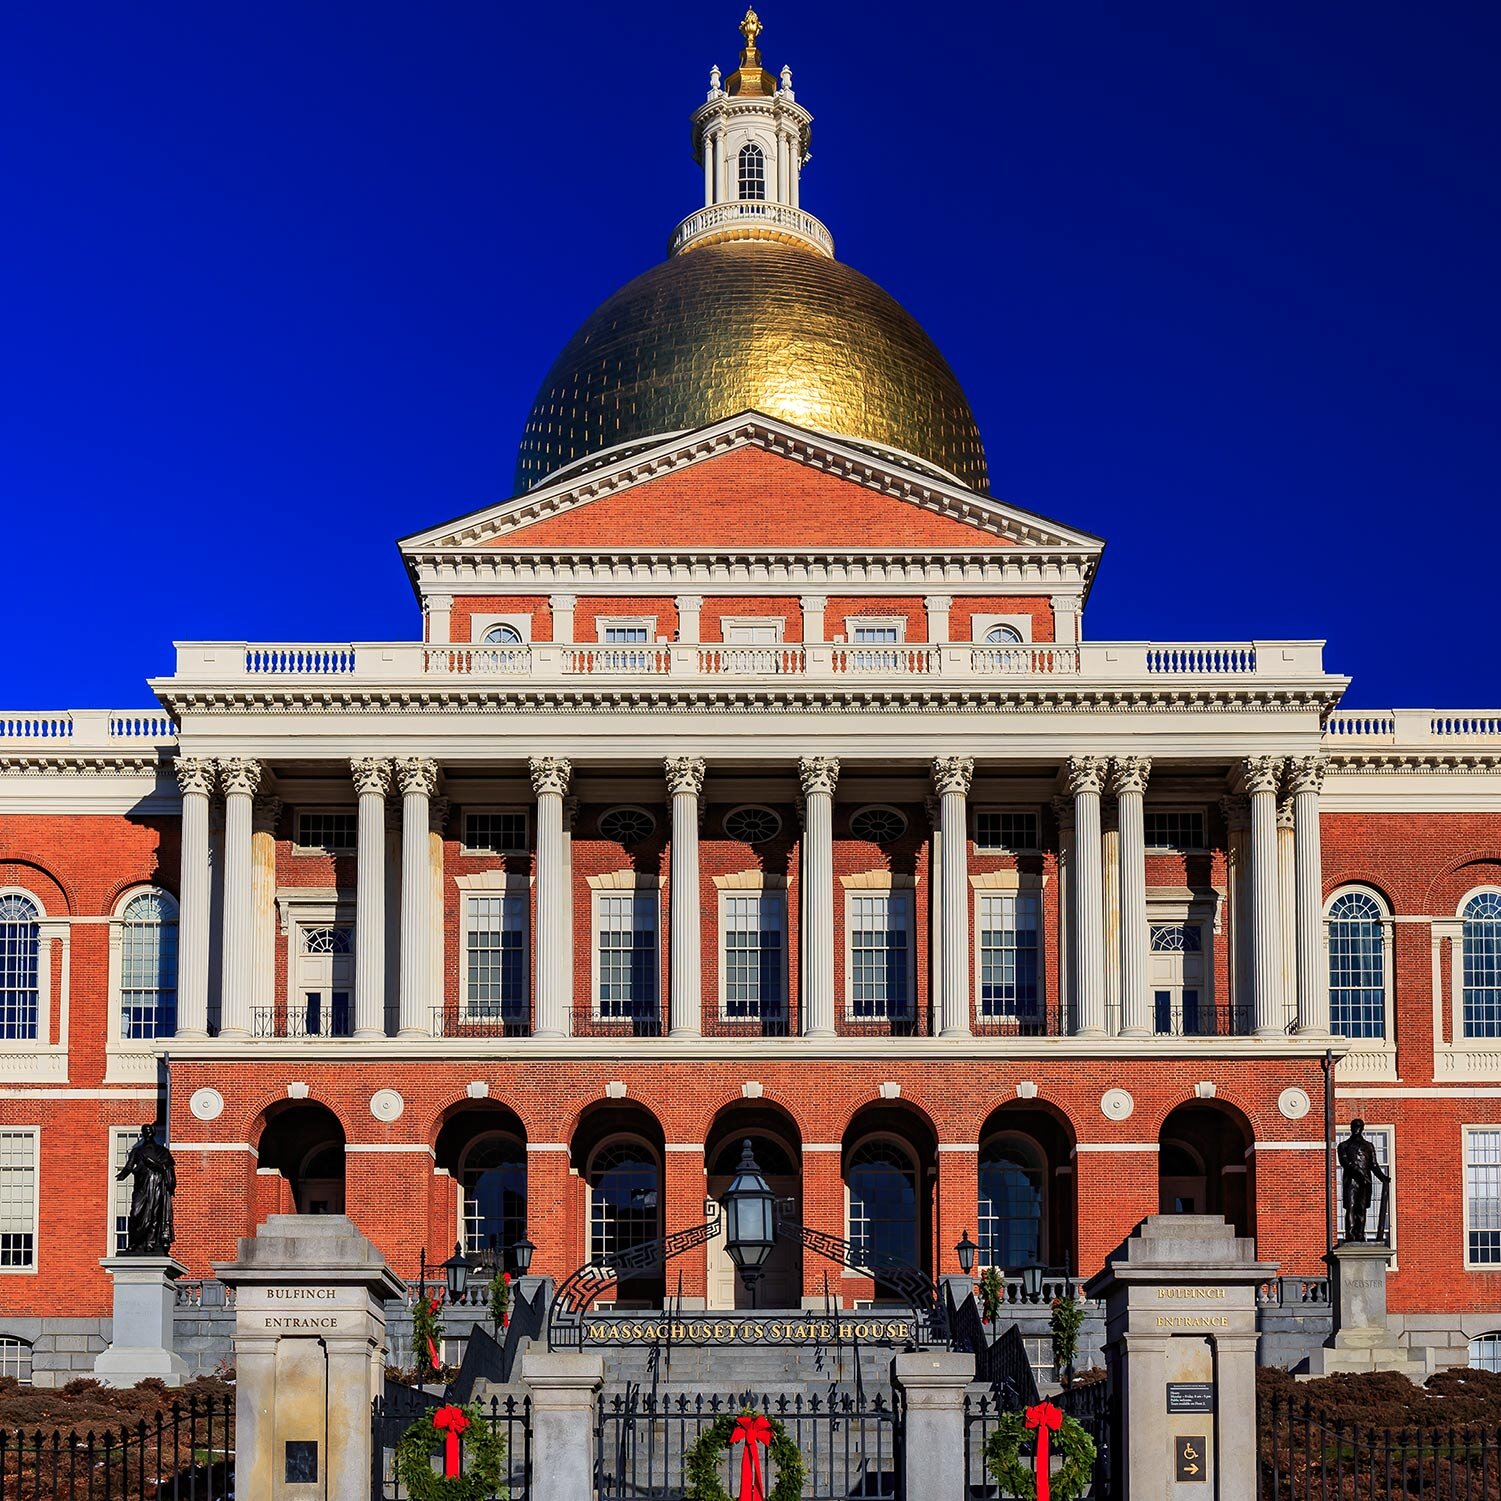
(372, 778)
(417, 778)
(1136, 998)
(952, 776)
(1287, 898)
(1313, 983)
(239, 778)
(196, 780)
(685, 780)
(1085, 779)
(818, 774)
(554, 966)
(1263, 775)
(1110, 878)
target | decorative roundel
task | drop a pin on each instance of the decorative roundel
(206, 1104)
(1116, 1104)
(386, 1104)
(626, 825)
(878, 823)
(1294, 1103)
(752, 824)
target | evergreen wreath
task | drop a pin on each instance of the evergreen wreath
(1015, 1477)
(701, 1462)
(483, 1470)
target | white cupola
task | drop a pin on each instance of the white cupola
(751, 137)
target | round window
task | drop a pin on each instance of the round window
(1002, 635)
(752, 824)
(502, 635)
(879, 824)
(627, 825)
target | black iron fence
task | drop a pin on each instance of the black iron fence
(1089, 1405)
(851, 1446)
(510, 1420)
(183, 1453)
(1307, 1457)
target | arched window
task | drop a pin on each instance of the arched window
(752, 171)
(15, 1359)
(502, 635)
(1002, 635)
(1485, 1352)
(20, 960)
(882, 1181)
(1357, 965)
(1011, 1203)
(494, 1179)
(1482, 965)
(624, 1198)
(148, 966)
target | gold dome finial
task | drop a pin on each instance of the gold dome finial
(750, 77)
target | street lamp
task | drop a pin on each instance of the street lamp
(521, 1253)
(456, 1273)
(965, 1251)
(749, 1211)
(1032, 1282)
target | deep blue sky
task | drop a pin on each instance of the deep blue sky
(278, 282)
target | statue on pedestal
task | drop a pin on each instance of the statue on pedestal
(155, 1173)
(1357, 1161)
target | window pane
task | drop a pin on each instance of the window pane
(17, 1198)
(623, 1196)
(502, 833)
(625, 635)
(121, 1140)
(495, 975)
(1482, 965)
(883, 1203)
(334, 832)
(877, 635)
(627, 955)
(752, 172)
(20, 957)
(1485, 1352)
(148, 968)
(1010, 1211)
(15, 1359)
(879, 959)
(753, 955)
(1357, 967)
(1006, 829)
(1174, 829)
(1483, 1190)
(494, 1193)
(1008, 956)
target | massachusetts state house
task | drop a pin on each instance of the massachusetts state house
(751, 773)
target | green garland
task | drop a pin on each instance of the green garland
(499, 1291)
(701, 1463)
(1015, 1477)
(425, 1327)
(482, 1466)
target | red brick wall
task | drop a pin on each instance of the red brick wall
(461, 620)
(966, 606)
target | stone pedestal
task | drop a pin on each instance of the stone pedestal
(310, 1330)
(563, 1388)
(141, 1332)
(1180, 1346)
(1362, 1340)
(933, 1383)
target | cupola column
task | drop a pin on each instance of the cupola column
(418, 779)
(1307, 778)
(372, 780)
(1129, 775)
(952, 776)
(195, 779)
(818, 776)
(554, 967)
(239, 778)
(1263, 775)
(1086, 779)
(685, 782)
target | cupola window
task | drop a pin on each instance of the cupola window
(752, 171)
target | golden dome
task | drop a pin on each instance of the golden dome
(731, 326)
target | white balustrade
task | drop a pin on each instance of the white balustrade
(762, 214)
(88, 729)
(478, 661)
(299, 661)
(1216, 660)
(36, 726)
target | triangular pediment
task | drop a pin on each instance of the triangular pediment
(751, 484)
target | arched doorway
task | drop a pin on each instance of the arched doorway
(889, 1160)
(777, 1145)
(618, 1151)
(1025, 1211)
(484, 1147)
(304, 1142)
(1205, 1164)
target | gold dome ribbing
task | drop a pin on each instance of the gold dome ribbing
(727, 327)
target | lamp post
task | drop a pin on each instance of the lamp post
(521, 1254)
(456, 1273)
(1032, 1282)
(965, 1251)
(750, 1228)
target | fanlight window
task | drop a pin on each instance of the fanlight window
(148, 967)
(1176, 938)
(879, 824)
(1357, 966)
(627, 825)
(327, 941)
(752, 171)
(15, 1359)
(1482, 965)
(20, 959)
(1003, 635)
(502, 635)
(1485, 1352)
(752, 825)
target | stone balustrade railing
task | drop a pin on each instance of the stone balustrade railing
(760, 216)
(1436, 728)
(88, 729)
(554, 662)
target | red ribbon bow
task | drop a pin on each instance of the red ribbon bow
(1045, 1418)
(450, 1421)
(755, 1432)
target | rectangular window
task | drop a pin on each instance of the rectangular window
(333, 832)
(1008, 928)
(1007, 830)
(1379, 1137)
(1483, 1195)
(495, 959)
(626, 946)
(875, 635)
(1174, 829)
(880, 948)
(18, 1199)
(753, 944)
(497, 832)
(626, 635)
(121, 1139)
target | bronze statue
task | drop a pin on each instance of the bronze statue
(155, 1174)
(1357, 1160)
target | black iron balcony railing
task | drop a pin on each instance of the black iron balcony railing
(310, 1019)
(481, 1021)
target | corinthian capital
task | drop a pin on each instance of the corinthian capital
(240, 774)
(1129, 774)
(818, 774)
(1305, 773)
(417, 774)
(953, 774)
(1085, 774)
(265, 813)
(194, 774)
(1263, 774)
(550, 774)
(371, 774)
(685, 774)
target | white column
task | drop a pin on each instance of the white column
(1130, 774)
(689, 608)
(372, 780)
(1066, 618)
(239, 778)
(1086, 777)
(952, 776)
(937, 607)
(1263, 774)
(554, 962)
(685, 781)
(1110, 880)
(562, 617)
(1068, 968)
(818, 775)
(1307, 778)
(1236, 809)
(1287, 895)
(437, 822)
(934, 807)
(195, 780)
(417, 777)
(265, 814)
(814, 606)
